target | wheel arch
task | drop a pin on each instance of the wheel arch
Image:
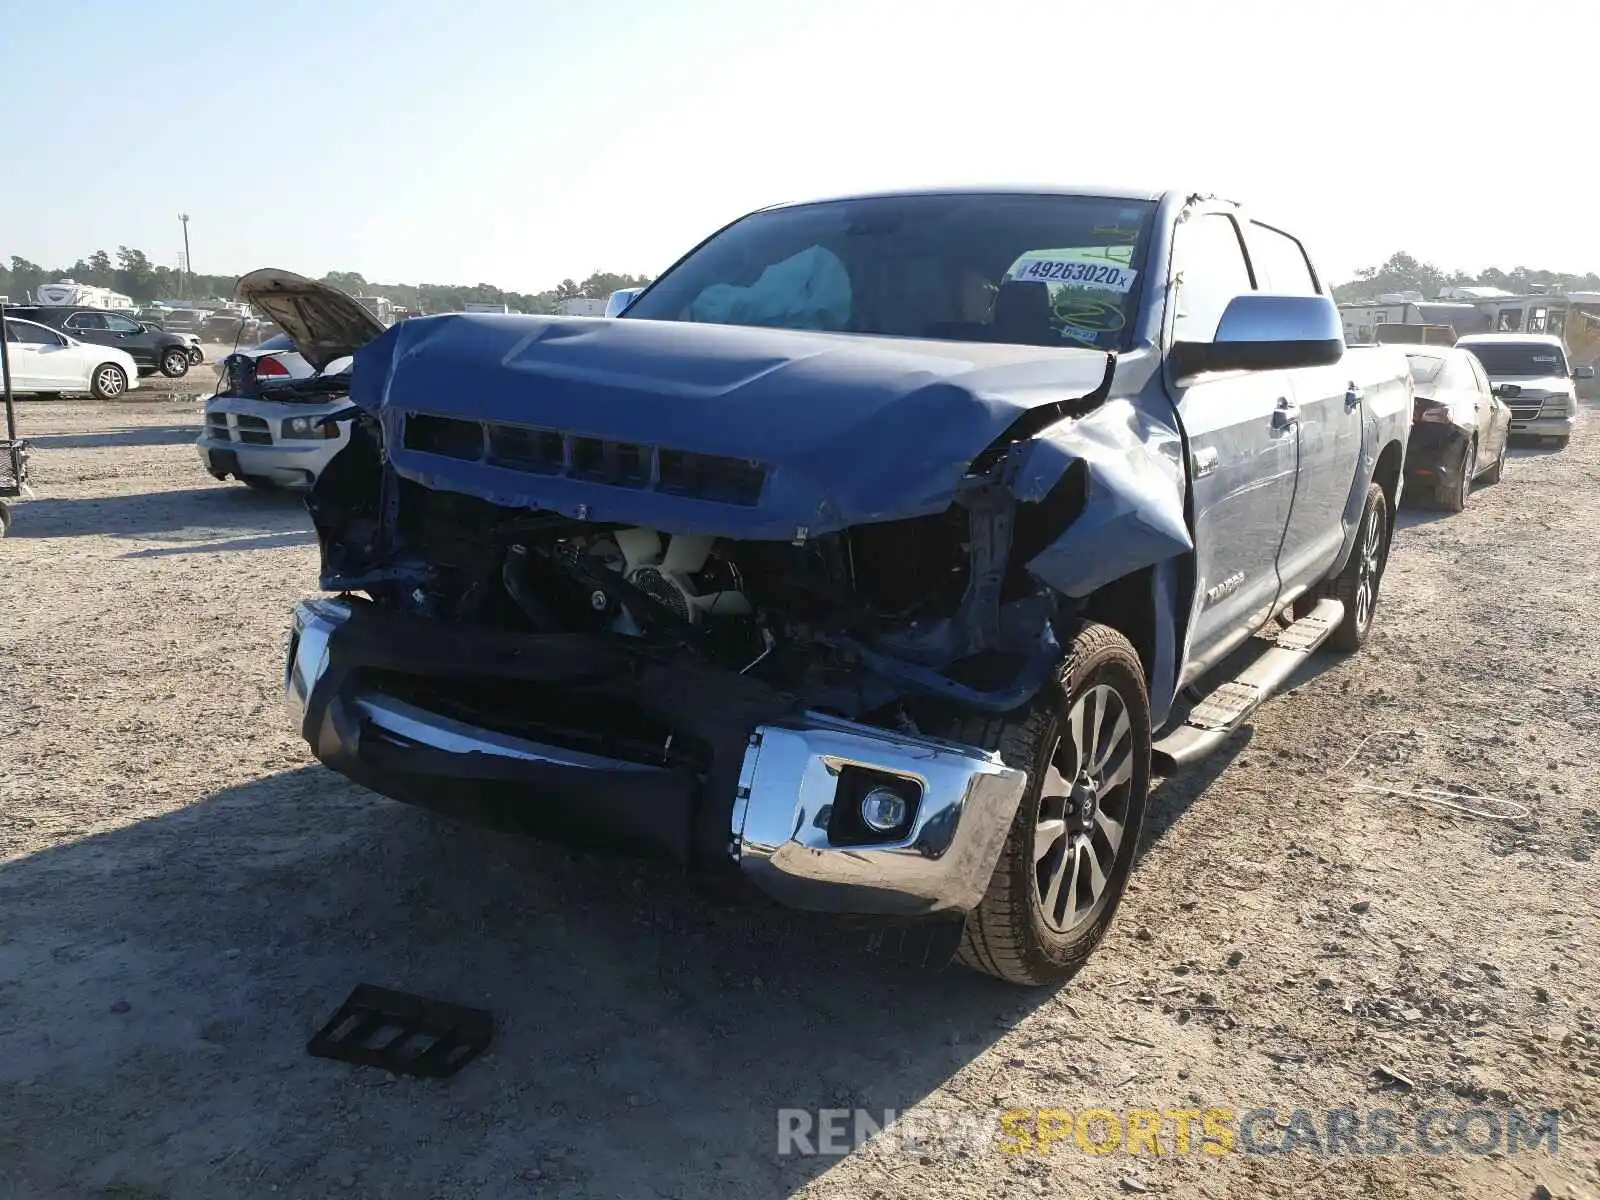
(1387, 475)
(1147, 606)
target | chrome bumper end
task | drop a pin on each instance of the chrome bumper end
(791, 831)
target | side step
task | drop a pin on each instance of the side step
(1214, 719)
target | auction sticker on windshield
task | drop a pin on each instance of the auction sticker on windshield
(1078, 268)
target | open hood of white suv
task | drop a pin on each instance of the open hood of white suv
(324, 323)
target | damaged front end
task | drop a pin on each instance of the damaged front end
(511, 641)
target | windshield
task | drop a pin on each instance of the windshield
(1525, 358)
(1020, 269)
(1425, 368)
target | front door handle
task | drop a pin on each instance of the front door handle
(1285, 415)
(1205, 461)
(1353, 396)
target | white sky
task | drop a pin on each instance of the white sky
(520, 141)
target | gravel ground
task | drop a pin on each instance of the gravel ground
(184, 897)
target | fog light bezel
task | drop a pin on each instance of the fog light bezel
(847, 826)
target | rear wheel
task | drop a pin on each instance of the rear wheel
(1453, 496)
(175, 363)
(1357, 585)
(1560, 443)
(1085, 743)
(108, 382)
(195, 356)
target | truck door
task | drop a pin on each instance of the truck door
(1241, 451)
(1327, 414)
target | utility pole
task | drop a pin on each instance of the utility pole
(188, 268)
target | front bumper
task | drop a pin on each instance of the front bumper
(244, 438)
(1544, 425)
(765, 801)
(287, 466)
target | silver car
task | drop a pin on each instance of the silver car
(265, 426)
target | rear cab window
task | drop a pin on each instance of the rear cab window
(1425, 368)
(1209, 265)
(1280, 262)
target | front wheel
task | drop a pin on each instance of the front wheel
(1085, 743)
(175, 363)
(108, 382)
(1357, 585)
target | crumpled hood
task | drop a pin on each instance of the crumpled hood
(680, 427)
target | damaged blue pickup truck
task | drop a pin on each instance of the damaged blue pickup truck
(877, 553)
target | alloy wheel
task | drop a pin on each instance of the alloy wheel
(1083, 808)
(1371, 551)
(110, 381)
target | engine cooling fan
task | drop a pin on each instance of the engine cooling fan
(664, 576)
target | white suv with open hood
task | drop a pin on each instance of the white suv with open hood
(266, 425)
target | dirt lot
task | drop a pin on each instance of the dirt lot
(184, 897)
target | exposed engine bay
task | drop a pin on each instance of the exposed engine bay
(851, 622)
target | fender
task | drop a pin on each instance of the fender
(1132, 519)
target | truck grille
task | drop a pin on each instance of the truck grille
(594, 460)
(253, 431)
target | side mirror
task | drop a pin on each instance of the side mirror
(1260, 332)
(1507, 391)
(620, 299)
(1583, 373)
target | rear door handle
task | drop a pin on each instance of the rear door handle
(1285, 415)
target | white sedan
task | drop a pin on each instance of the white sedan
(44, 360)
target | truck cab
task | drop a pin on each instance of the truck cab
(876, 554)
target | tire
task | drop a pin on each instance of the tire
(1453, 498)
(174, 363)
(1497, 472)
(196, 357)
(1560, 443)
(1012, 934)
(108, 382)
(1362, 575)
(259, 483)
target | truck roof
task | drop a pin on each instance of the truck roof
(1014, 189)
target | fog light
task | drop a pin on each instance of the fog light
(883, 810)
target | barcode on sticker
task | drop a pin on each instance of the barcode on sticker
(1074, 273)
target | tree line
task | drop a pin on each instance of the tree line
(1403, 273)
(133, 274)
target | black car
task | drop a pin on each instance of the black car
(152, 349)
